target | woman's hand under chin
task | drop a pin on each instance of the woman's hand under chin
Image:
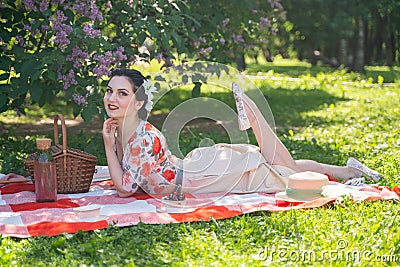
(109, 128)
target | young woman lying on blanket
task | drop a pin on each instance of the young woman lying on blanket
(138, 155)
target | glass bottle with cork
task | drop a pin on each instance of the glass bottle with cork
(45, 172)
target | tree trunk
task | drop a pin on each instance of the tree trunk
(343, 52)
(367, 44)
(240, 60)
(378, 39)
(267, 54)
(359, 54)
(385, 35)
(393, 42)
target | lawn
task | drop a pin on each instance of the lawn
(327, 117)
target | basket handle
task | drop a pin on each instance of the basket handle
(64, 132)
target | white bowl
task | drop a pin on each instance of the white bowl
(10, 217)
(89, 211)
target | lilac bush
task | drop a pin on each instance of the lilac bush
(63, 48)
(234, 27)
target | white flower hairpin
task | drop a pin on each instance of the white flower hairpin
(148, 90)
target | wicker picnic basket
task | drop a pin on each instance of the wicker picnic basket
(74, 168)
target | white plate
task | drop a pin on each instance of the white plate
(89, 219)
(166, 209)
(8, 214)
(88, 208)
(10, 218)
(88, 211)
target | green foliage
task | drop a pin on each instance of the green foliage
(62, 50)
(14, 150)
(295, 69)
(339, 29)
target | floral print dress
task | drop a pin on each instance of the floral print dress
(147, 162)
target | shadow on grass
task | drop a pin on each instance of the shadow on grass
(288, 106)
(389, 74)
(293, 71)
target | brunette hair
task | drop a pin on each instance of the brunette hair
(136, 78)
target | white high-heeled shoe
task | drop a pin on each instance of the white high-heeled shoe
(356, 181)
(243, 120)
(354, 163)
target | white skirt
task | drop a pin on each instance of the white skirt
(236, 168)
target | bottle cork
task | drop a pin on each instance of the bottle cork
(43, 143)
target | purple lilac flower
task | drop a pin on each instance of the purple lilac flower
(67, 79)
(237, 38)
(67, 5)
(159, 57)
(204, 52)
(254, 11)
(275, 3)
(20, 40)
(202, 39)
(225, 22)
(28, 27)
(44, 5)
(80, 99)
(109, 5)
(264, 22)
(57, 2)
(222, 40)
(78, 56)
(196, 43)
(105, 62)
(120, 54)
(88, 9)
(57, 22)
(168, 62)
(208, 49)
(92, 33)
(131, 3)
(62, 40)
(100, 71)
(63, 30)
(106, 59)
(30, 4)
(44, 28)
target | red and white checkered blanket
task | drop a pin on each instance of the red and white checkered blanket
(21, 216)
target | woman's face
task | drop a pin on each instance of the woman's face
(120, 100)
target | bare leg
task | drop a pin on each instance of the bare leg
(343, 172)
(275, 152)
(270, 145)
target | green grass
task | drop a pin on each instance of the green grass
(317, 117)
(295, 68)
